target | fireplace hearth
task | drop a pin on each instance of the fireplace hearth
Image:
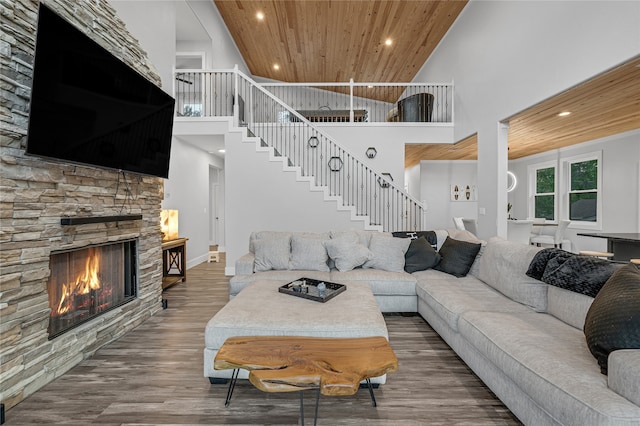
(90, 281)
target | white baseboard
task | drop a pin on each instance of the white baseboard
(230, 271)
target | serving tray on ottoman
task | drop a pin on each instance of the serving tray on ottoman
(295, 288)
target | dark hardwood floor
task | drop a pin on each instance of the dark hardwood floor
(154, 375)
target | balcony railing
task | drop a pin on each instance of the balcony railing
(304, 144)
(210, 93)
(368, 102)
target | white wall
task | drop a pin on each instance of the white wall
(388, 140)
(187, 190)
(507, 56)
(261, 197)
(412, 181)
(159, 38)
(224, 52)
(620, 185)
(436, 178)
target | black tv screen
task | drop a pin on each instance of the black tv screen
(89, 107)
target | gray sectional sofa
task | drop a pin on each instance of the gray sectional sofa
(522, 337)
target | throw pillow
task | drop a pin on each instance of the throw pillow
(388, 253)
(580, 274)
(347, 254)
(430, 236)
(271, 253)
(420, 256)
(613, 320)
(457, 257)
(308, 254)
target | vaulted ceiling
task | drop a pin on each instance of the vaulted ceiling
(329, 41)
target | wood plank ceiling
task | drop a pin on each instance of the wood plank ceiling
(333, 41)
(605, 105)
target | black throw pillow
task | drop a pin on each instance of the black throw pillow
(580, 274)
(457, 257)
(420, 256)
(431, 236)
(613, 320)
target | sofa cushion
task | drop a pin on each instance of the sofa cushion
(272, 253)
(381, 282)
(420, 256)
(549, 360)
(388, 253)
(503, 266)
(308, 254)
(613, 320)
(364, 237)
(266, 235)
(568, 306)
(624, 373)
(450, 297)
(347, 253)
(457, 257)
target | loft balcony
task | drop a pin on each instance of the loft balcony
(211, 93)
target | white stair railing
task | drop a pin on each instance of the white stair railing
(320, 158)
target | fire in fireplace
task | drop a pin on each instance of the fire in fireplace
(87, 282)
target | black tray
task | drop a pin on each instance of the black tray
(333, 289)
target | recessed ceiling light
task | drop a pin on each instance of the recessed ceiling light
(276, 67)
(388, 42)
(564, 113)
(260, 16)
(222, 150)
(369, 87)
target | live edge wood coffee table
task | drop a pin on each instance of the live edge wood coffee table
(332, 366)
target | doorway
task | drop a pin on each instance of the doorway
(216, 207)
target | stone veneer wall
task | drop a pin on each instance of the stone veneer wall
(35, 194)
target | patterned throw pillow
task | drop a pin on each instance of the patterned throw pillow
(430, 236)
(613, 320)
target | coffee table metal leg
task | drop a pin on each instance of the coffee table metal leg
(315, 414)
(232, 385)
(373, 398)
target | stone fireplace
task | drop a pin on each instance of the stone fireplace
(39, 200)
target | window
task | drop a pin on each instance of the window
(584, 189)
(543, 190)
(192, 110)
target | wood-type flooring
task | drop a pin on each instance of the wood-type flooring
(154, 376)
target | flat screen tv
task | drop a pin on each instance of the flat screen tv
(89, 107)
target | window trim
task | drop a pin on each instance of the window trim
(532, 173)
(567, 162)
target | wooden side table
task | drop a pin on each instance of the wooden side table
(174, 259)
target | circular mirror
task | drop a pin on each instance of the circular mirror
(511, 181)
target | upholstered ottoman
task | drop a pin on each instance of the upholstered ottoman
(260, 310)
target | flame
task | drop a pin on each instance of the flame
(84, 283)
